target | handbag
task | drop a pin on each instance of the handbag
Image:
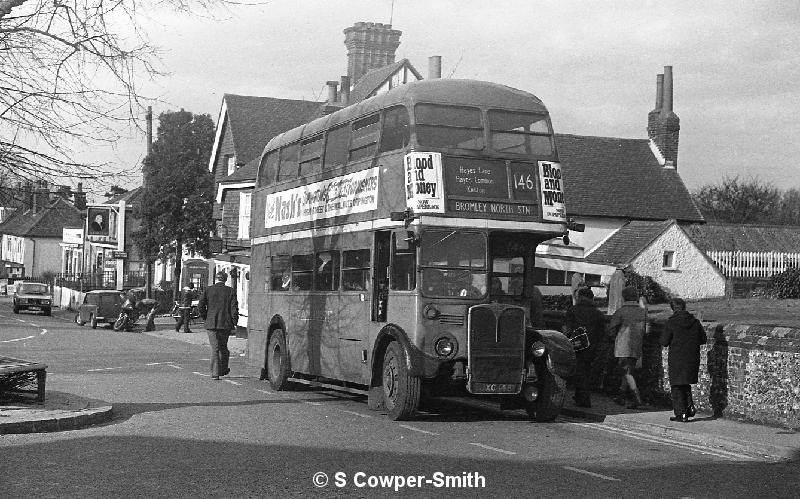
(579, 338)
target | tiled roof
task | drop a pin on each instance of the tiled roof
(130, 197)
(621, 178)
(739, 237)
(47, 222)
(255, 120)
(247, 173)
(627, 242)
(372, 80)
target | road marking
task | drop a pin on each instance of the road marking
(174, 366)
(357, 414)
(18, 339)
(105, 369)
(266, 391)
(493, 448)
(309, 402)
(200, 374)
(159, 363)
(734, 456)
(590, 473)
(413, 428)
(231, 382)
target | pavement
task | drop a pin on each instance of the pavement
(722, 436)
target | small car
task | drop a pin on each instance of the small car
(32, 296)
(99, 306)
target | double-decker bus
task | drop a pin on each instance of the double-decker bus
(393, 247)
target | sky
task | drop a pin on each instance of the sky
(736, 66)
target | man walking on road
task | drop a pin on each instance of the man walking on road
(220, 310)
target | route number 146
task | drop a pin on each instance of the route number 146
(524, 182)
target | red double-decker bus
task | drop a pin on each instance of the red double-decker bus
(394, 243)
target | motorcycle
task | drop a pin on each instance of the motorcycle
(128, 316)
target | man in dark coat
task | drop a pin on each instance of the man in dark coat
(220, 310)
(584, 314)
(185, 309)
(683, 334)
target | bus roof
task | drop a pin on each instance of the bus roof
(440, 91)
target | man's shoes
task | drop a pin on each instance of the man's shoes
(680, 419)
(216, 378)
(226, 372)
(186, 332)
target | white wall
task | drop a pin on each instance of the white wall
(693, 277)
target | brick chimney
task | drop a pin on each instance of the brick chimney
(369, 46)
(663, 125)
(79, 199)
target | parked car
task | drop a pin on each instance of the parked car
(32, 296)
(99, 306)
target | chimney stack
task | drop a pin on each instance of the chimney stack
(369, 46)
(663, 125)
(344, 92)
(434, 67)
(332, 91)
(79, 199)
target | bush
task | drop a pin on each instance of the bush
(556, 302)
(785, 285)
(646, 287)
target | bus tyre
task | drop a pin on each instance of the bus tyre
(548, 404)
(400, 390)
(278, 366)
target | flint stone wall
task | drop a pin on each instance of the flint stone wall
(748, 373)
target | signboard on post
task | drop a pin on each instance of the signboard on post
(119, 255)
(424, 182)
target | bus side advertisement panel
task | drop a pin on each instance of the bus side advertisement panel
(344, 195)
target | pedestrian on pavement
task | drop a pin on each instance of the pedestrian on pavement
(185, 308)
(584, 317)
(683, 334)
(220, 310)
(628, 326)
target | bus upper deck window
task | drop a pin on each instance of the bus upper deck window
(520, 133)
(268, 168)
(287, 169)
(336, 147)
(395, 133)
(364, 137)
(449, 126)
(311, 155)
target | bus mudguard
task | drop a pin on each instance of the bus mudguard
(419, 364)
(560, 351)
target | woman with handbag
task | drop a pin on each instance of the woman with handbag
(584, 318)
(683, 334)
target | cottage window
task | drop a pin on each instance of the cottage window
(230, 162)
(244, 215)
(669, 260)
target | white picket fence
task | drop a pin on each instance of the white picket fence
(752, 263)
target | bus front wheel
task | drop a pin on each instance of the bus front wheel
(278, 361)
(548, 404)
(400, 389)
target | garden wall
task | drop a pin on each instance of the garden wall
(750, 373)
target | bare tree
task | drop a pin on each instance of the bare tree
(68, 75)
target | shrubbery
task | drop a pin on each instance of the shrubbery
(785, 285)
(556, 302)
(646, 287)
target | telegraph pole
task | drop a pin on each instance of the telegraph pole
(148, 265)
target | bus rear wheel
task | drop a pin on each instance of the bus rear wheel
(278, 366)
(401, 391)
(548, 404)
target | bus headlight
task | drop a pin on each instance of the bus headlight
(444, 347)
(538, 348)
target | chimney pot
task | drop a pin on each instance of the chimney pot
(659, 91)
(344, 93)
(332, 91)
(667, 108)
(434, 67)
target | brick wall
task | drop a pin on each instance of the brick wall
(749, 373)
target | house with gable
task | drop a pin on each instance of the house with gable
(610, 182)
(32, 237)
(247, 123)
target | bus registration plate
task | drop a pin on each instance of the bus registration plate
(495, 388)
